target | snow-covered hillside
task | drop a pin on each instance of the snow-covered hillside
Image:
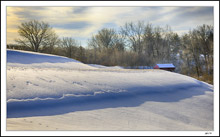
(48, 92)
(17, 58)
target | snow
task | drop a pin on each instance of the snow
(105, 67)
(165, 65)
(47, 92)
(16, 58)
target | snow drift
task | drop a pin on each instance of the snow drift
(17, 58)
(49, 85)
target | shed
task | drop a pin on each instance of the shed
(168, 67)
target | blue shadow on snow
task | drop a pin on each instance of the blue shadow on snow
(29, 58)
(133, 97)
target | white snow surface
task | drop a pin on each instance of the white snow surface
(18, 58)
(105, 67)
(48, 92)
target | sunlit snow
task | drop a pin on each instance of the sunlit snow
(48, 92)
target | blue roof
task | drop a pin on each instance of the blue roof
(165, 65)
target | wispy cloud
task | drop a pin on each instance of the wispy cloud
(82, 22)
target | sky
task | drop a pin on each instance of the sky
(82, 22)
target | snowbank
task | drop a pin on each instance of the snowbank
(29, 88)
(64, 87)
(18, 58)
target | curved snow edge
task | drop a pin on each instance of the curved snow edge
(98, 95)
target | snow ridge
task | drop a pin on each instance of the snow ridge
(18, 58)
(70, 95)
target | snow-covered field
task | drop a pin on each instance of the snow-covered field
(48, 92)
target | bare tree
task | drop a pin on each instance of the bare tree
(81, 54)
(134, 35)
(204, 37)
(105, 39)
(185, 55)
(104, 46)
(33, 33)
(70, 46)
(50, 42)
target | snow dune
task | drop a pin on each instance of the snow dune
(17, 58)
(57, 90)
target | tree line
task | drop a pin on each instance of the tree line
(134, 44)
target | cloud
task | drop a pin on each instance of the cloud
(80, 10)
(82, 22)
(182, 19)
(72, 25)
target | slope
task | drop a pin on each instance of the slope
(80, 97)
